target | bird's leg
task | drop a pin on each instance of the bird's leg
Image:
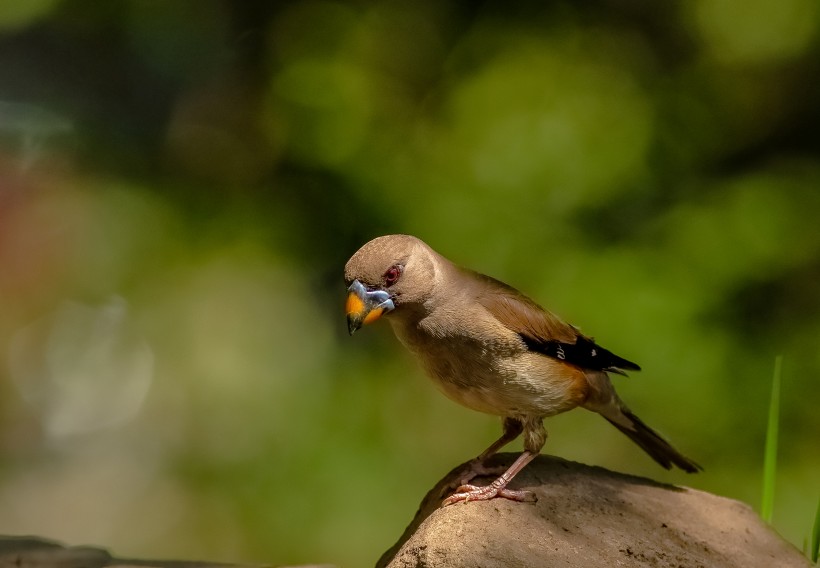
(475, 467)
(534, 438)
(497, 488)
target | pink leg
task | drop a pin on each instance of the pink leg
(476, 467)
(497, 488)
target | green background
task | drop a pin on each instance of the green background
(181, 184)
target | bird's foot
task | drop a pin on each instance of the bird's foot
(475, 493)
(476, 468)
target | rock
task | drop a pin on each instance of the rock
(35, 552)
(588, 516)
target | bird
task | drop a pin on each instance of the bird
(489, 347)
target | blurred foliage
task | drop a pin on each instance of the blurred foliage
(182, 182)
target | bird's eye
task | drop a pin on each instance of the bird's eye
(392, 275)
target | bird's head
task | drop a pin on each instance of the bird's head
(386, 275)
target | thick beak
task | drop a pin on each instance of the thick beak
(365, 306)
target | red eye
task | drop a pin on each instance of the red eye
(392, 275)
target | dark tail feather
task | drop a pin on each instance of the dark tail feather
(659, 449)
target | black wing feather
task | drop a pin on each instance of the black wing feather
(584, 353)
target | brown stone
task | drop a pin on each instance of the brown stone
(588, 516)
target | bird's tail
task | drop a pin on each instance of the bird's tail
(652, 443)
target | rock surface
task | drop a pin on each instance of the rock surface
(588, 516)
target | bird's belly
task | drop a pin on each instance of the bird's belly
(474, 397)
(499, 377)
(506, 389)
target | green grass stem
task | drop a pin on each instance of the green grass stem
(815, 535)
(770, 452)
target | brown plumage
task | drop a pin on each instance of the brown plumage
(489, 347)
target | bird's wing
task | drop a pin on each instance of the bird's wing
(543, 331)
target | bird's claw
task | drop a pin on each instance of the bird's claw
(475, 469)
(476, 493)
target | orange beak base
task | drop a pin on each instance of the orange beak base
(365, 306)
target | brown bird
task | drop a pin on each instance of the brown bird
(489, 347)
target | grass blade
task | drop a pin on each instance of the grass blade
(815, 535)
(770, 452)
